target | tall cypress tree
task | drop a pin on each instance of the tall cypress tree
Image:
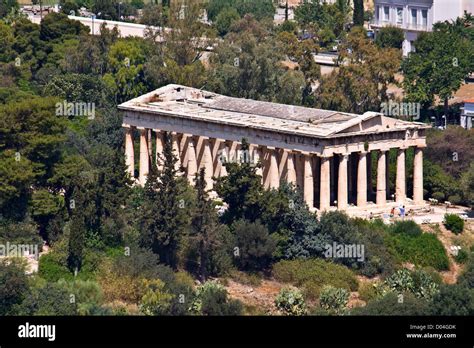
(358, 12)
(163, 219)
(241, 189)
(77, 232)
(204, 227)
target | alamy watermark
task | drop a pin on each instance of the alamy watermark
(401, 110)
(238, 156)
(81, 109)
(19, 250)
(345, 251)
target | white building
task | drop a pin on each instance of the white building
(415, 16)
(467, 115)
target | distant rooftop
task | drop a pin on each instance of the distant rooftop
(187, 102)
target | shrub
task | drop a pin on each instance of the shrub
(211, 298)
(333, 300)
(48, 299)
(255, 245)
(406, 227)
(390, 305)
(418, 283)
(290, 302)
(434, 274)
(51, 268)
(367, 291)
(467, 276)
(155, 301)
(456, 299)
(313, 274)
(378, 259)
(421, 250)
(462, 256)
(455, 199)
(438, 196)
(87, 296)
(454, 223)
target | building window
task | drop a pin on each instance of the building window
(414, 16)
(399, 15)
(424, 18)
(386, 13)
(377, 13)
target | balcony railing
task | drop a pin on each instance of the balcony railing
(407, 26)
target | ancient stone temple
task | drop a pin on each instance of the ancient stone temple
(337, 159)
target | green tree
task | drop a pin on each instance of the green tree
(48, 299)
(358, 17)
(205, 228)
(255, 245)
(365, 64)
(390, 37)
(58, 26)
(14, 285)
(163, 224)
(259, 9)
(224, 20)
(6, 6)
(241, 189)
(441, 61)
(77, 233)
(453, 300)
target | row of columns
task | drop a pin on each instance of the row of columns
(299, 168)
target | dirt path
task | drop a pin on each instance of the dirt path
(261, 297)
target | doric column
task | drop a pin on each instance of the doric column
(370, 188)
(308, 184)
(291, 168)
(299, 165)
(258, 159)
(342, 184)
(282, 163)
(206, 163)
(144, 158)
(222, 158)
(129, 152)
(159, 149)
(217, 149)
(192, 162)
(381, 180)
(150, 144)
(272, 177)
(362, 180)
(175, 142)
(418, 176)
(400, 185)
(325, 188)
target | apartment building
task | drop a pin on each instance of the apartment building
(415, 16)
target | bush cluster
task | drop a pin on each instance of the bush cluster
(454, 223)
(312, 274)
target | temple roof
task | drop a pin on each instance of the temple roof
(186, 102)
